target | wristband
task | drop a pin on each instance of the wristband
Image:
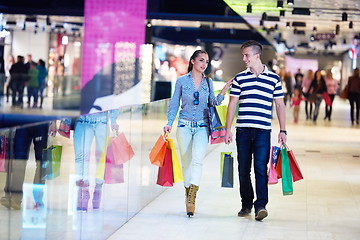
(283, 131)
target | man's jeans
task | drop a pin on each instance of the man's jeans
(253, 143)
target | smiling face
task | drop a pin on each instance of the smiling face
(200, 63)
(250, 57)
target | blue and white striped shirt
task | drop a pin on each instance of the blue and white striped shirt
(255, 97)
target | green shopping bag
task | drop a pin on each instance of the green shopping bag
(51, 161)
(287, 183)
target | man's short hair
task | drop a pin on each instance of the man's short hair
(257, 47)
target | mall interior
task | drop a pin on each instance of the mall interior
(109, 70)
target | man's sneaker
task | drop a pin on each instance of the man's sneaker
(244, 212)
(261, 214)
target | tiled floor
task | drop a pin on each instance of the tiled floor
(325, 205)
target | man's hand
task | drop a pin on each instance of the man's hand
(282, 138)
(228, 137)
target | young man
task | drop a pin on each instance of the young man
(254, 89)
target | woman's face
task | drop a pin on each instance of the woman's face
(318, 75)
(201, 62)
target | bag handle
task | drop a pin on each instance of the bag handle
(209, 101)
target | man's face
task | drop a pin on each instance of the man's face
(250, 57)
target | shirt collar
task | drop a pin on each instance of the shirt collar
(266, 70)
(189, 75)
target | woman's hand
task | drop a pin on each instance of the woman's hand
(226, 87)
(167, 129)
(115, 127)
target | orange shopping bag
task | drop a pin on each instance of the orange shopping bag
(157, 154)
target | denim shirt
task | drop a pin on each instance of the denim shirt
(184, 91)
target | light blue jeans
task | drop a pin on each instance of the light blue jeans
(85, 132)
(193, 141)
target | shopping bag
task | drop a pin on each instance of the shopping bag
(217, 129)
(222, 111)
(51, 161)
(65, 127)
(274, 155)
(227, 169)
(157, 153)
(177, 171)
(327, 99)
(100, 170)
(295, 169)
(165, 173)
(2, 153)
(278, 166)
(114, 173)
(121, 149)
(287, 184)
(272, 175)
(217, 136)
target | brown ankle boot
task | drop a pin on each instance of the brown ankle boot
(186, 193)
(190, 201)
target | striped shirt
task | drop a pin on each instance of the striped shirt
(255, 97)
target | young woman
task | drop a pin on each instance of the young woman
(318, 87)
(305, 89)
(332, 86)
(192, 89)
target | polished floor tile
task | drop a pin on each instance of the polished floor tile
(325, 204)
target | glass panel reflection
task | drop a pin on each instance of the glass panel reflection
(81, 177)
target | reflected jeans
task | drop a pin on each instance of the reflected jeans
(193, 141)
(253, 143)
(85, 132)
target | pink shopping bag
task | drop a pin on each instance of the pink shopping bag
(121, 149)
(114, 173)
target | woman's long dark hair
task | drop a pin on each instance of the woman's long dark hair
(195, 54)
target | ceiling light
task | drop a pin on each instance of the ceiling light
(344, 17)
(282, 13)
(249, 8)
(351, 25)
(264, 16)
(290, 2)
(301, 11)
(280, 4)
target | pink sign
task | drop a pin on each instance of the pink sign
(107, 24)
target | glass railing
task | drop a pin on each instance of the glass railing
(82, 183)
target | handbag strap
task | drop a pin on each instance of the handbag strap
(209, 102)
